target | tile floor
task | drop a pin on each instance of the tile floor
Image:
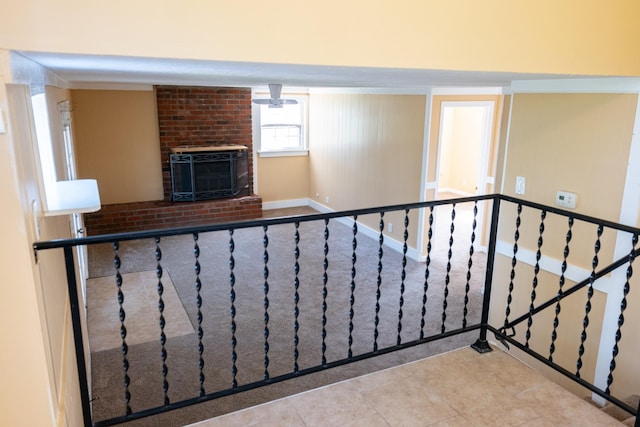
(459, 388)
(140, 306)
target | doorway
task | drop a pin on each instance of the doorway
(463, 148)
(460, 160)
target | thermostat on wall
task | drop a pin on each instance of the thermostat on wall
(566, 199)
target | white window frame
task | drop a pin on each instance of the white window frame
(59, 197)
(303, 150)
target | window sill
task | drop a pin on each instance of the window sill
(283, 153)
(69, 197)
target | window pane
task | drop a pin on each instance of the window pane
(288, 114)
(281, 128)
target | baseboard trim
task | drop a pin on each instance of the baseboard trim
(389, 242)
(281, 204)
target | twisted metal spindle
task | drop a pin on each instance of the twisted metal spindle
(467, 286)
(325, 280)
(447, 278)
(514, 261)
(534, 283)
(426, 274)
(162, 322)
(232, 297)
(124, 348)
(198, 285)
(623, 306)
(265, 257)
(587, 307)
(352, 299)
(556, 320)
(296, 299)
(403, 275)
(376, 321)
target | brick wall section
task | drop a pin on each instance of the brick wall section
(199, 116)
(193, 116)
(140, 216)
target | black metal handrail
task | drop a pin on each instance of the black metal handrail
(507, 332)
(489, 279)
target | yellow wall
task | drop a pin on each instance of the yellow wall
(117, 143)
(283, 178)
(365, 151)
(541, 36)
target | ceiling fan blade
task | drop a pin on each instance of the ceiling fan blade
(289, 101)
(263, 101)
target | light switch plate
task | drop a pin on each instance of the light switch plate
(566, 199)
(521, 181)
(3, 127)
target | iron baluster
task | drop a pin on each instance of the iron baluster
(296, 298)
(325, 279)
(467, 287)
(265, 257)
(514, 261)
(447, 278)
(378, 281)
(162, 322)
(352, 299)
(403, 275)
(198, 284)
(426, 274)
(623, 306)
(587, 307)
(232, 297)
(534, 284)
(124, 347)
(556, 321)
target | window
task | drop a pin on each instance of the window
(59, 197)
(283, 129)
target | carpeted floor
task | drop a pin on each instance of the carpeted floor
(145, 362)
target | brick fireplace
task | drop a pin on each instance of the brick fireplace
(189, 117)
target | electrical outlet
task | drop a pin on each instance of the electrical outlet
(390, 228)
(326, 199)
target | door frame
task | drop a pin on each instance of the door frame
(431, 150)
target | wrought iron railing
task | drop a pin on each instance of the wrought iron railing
(275, 299)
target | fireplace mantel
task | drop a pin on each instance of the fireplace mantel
(207, 148)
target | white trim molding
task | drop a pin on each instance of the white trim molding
(587, 85)
(552, 265)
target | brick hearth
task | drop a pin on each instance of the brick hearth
(140, 216)
(194, 116)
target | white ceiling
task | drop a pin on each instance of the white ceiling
(87, 70)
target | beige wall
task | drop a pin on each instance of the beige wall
(570, 321)
(283, 178)
(366, 151)
(461, 149)
(38, 366)
(542, 36)
(572, 142)
(117, 143)
(578, 143)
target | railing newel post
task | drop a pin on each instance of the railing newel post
(482, 345)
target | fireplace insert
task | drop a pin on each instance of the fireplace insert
(217, 173)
